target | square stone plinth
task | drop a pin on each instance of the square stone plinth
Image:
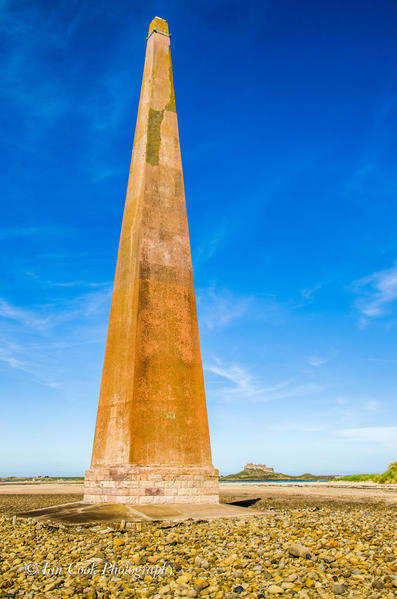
(144, 485)
(134, 517)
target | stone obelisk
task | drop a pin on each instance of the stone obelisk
(151, 440)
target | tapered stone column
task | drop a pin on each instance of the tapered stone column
(151, 440)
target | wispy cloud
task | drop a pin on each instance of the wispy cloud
(47, 342)
(378, 294)
(52, 315)
(308, 292)
(384, 435)
(10, 232)
(297, 427)
(42, 79)
(307, 295)
(243, 385)
(374, 177)
(218, 308)
(7, 355)
(385, 360)
(353, 409)
(26, 317)
(372, 405)
(221, 307)
(210, 244)
(373, 180)
(316, 360)
(29, 33)
(79, 283)
(29, 364)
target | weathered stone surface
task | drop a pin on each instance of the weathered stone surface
(339, 589)
(152, 416)
(298, 550)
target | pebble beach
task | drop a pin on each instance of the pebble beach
(294, 549)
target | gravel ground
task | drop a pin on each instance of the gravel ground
(12, 504)
(301, 551)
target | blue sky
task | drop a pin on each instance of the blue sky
(287, 114)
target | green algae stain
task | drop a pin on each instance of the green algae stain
(153, 136)
(171, 104)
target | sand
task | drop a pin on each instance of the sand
(41, 488)
(289, 492)
(313, 492)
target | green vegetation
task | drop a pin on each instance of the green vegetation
(254, 475)
(261, 475)
(355, 478)
(390, 476)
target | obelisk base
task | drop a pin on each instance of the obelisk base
(140, 485)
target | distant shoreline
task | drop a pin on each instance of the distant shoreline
(274, 481)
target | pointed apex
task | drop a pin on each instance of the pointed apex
(158, 24)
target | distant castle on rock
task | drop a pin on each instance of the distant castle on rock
(258, 467)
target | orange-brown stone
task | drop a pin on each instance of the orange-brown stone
(152, 418)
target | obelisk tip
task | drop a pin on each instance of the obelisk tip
(160, 25)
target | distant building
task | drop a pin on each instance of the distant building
(258, 467)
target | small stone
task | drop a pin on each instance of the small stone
(275, 589)
(96, 560)
(105, 531)
(118, 542)
(328, 559)
(238, 589)
(298, 550)
(378, 585)
(339, 589)
(200, 584)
